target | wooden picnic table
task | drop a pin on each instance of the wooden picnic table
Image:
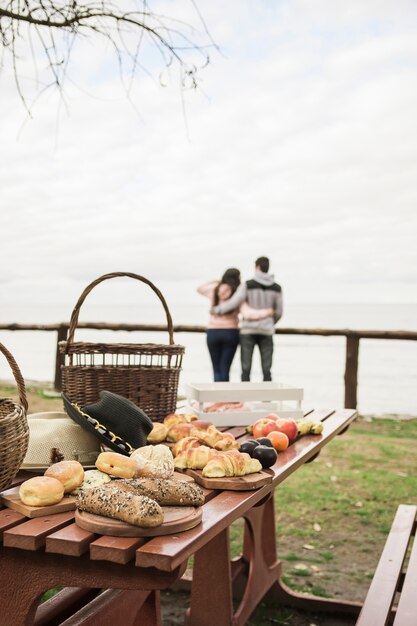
(52, 551)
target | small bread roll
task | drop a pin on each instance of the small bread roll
(41, 491)
(155, 461)
(92, 478)
(116, 464)
(158, 433)
(70, 473)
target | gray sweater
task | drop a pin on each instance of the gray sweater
(260, 293)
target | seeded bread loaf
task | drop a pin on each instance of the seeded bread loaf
(169, 492)
(110, 501)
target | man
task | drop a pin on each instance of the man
(260, 293)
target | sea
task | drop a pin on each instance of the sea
(387, 377)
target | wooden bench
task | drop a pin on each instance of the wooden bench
(391, 577)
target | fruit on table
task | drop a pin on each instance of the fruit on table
(279, 440)
(263, 426)
(264, 441)
(289, 427)
(265, 455)
(248, 446)
(309, 427)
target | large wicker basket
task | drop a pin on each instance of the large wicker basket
(146, 374)
(14, 430)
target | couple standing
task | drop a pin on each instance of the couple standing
(259, 303)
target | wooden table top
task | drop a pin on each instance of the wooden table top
(60, 535)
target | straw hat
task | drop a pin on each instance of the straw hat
(53, 437)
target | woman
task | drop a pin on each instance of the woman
(223, 330)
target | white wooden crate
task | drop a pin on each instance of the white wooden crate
(260, 399)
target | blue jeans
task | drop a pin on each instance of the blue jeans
(265, 344)
(222, 344)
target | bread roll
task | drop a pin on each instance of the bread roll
(158, 433)
(92, 478)
(41, 491)
(110, 501)
(154, 461)
(116, 464)
(166, 492)
(70, 473)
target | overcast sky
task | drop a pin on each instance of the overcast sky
(301, 145)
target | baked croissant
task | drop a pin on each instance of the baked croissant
(179, 418)
(158, 433)
(209, 436)
(184, 444)
(179, 431)
(231, 463)
(194, 458)
(228, 442)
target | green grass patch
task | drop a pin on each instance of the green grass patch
(351, 491)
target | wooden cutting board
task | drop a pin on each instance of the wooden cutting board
(176, 519)
(11, 499)
(235, 483)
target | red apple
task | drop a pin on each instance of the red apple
(289, 427)
(269, 428)
(260, 425)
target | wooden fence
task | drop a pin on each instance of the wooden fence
(353, 338)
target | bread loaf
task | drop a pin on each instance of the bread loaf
(166, 492)
(110, 501)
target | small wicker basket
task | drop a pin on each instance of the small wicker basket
(146, 374)
(14, 430)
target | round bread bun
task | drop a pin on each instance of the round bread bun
(92, 478)
(41, 491)
(69, 473)
(116, 465)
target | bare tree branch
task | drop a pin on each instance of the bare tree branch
(57, 24)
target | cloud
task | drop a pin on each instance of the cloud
(301, 145)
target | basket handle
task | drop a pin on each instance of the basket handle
(17, 375)
(90, 287)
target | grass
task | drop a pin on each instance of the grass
(349, 494)
(340, 506)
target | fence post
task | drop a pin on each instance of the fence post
(351, 371)
(59, 358)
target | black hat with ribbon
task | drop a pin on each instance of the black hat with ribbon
(115, 420)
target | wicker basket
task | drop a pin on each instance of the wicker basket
(146, 374)
(14, 430)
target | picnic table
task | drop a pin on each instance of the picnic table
(52, 551)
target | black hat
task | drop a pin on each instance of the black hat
(115, 420)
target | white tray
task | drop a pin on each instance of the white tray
(260, 399)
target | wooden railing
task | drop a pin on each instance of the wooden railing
(353, 338)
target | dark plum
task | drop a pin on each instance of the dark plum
(264, 441)
(248, 446)
(265, 455)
